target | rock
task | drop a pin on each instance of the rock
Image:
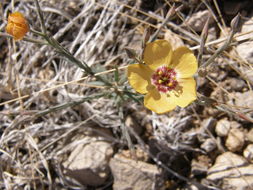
(234, 84)
(173, 39)
(209, 145)
(200, 166)
(243, 183)
(223, 163)
(248, 74)
(134, 175)
(88, 163)
(244, 99)
(248, 152)
(222, 128)
(235, 140)
(139, 154)
(245, 49)
(198, 20)
(249, 135)
(232, 170)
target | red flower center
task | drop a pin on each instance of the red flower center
(164, 78)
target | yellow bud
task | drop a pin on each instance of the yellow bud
(160, 81)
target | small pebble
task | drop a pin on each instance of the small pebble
(250, 135)
(222, 128)
(235, 140)
(248, 152)
(209, 145)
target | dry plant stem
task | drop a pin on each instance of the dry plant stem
(219, 13)
(169, 14)
(230, 111)
(60, 85)
(170, 24)
(203, 41)
(214, 16)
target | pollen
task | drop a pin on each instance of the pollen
(170, 84)
(164, 79)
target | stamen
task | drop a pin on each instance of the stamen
(164, 78)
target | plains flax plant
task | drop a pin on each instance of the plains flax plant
(166, 78)
(234, 26)
(69, 104)
(203, 36)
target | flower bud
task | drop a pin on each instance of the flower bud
(235, 23)
(17, 25)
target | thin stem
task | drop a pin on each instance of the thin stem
(219, 51)
(168, 16)
(41, 18)
(68, 104)
(26, 39)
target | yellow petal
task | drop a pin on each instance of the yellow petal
(157, 53)
(185, 93)
(18, 32)
(158, 102)
(184, 62)
(139, 77)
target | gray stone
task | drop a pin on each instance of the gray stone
(88, 163)
(233, 171)
(198, 168)
(245, 49)
(209, 145)
(249, 135)
(235, 140)
(222, 128)
(248, 152)
(197, 20)
(134, 175)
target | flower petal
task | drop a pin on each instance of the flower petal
(157, 53)
(18, 32)
(9, 28)
(158, 102)
(185, 93)
(16, 19)
(184, 62)
(139, 77)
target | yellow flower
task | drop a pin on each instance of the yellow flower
(17, 25)
(166, 77)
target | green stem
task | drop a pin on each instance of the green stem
(66, 105)
(219, 51)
